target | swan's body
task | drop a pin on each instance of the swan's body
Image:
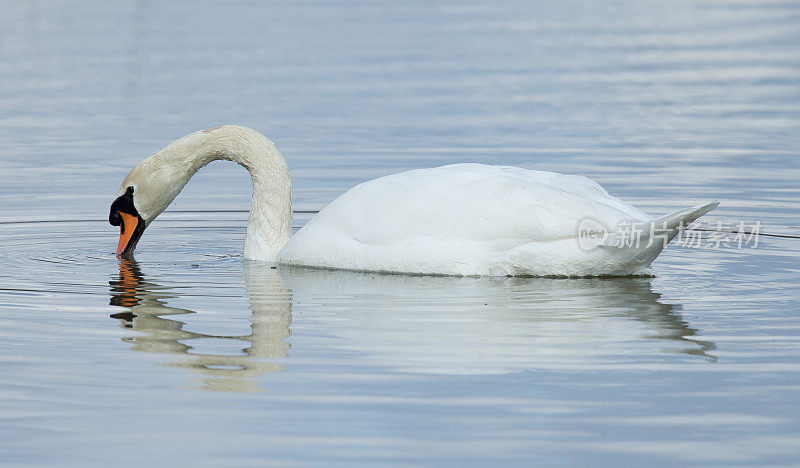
(463, 219)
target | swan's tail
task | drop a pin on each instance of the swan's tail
(672, 224)
(646, 240)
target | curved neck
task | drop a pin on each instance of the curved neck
(270, 222)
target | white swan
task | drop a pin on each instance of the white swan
(462, 219)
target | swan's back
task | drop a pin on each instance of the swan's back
(464, 219)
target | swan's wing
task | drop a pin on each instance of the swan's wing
(469, 202)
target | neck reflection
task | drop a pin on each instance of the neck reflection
(164, 332)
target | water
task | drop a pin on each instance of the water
(191, 356)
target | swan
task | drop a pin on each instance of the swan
(460, 219)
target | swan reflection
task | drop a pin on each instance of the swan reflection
(418, 324)
(462, 325)
(147, 311)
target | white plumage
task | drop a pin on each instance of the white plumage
(469, 219)
(462, 219)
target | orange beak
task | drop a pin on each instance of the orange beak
(126, 229)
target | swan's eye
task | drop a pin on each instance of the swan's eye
(122, 205)
(114, 218)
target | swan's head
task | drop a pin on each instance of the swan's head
(147, 191)
(131, 224)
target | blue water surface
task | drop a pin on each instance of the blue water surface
(192, 356)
